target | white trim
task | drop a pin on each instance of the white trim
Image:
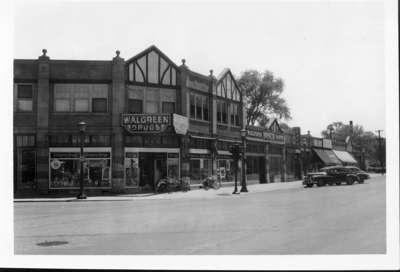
(199, 151)
(77, 149)
(224, 152)
(231, 141)
(152, 150)
(202, 137)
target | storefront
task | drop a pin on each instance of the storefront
(144, 167)
(152, 149)
(255, 161)
(64, 167)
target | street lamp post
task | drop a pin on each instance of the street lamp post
(82, 128)
(243, 133)
(235, 152)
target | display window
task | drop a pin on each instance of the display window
(65, 168)
(226, 170)
(200, 168)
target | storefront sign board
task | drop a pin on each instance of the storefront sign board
(146, 123)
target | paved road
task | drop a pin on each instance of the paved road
(293, 220)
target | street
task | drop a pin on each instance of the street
(291, 220)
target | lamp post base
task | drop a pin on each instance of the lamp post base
(81, 196)
(243, 190)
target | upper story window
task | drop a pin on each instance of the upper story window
(81, 98)
(235, 115)
(227, 88)
(24, 97)
(222, 112)
(199, 107)
(152, 66)
(151, 100)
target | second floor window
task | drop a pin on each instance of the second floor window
(199, 107)
(24, 97)
(168, 107)
(135, 106)
(235, 115)
(80, 98)
(222, 112)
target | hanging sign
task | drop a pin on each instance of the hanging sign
(181, 124)
(146, 123)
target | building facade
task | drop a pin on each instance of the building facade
(147, 118)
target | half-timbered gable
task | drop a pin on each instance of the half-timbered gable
(152, 67)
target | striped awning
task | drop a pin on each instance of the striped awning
(345, 156)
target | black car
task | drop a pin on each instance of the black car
(335, 175)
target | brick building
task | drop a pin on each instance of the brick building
(147, 118)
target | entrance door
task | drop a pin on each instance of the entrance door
(26, 169)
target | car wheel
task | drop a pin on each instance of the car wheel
(360, 180)
(309, 185)
(349, 180)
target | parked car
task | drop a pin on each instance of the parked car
(335, 175)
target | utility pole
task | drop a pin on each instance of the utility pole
(380, 147)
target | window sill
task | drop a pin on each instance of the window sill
(80, 113)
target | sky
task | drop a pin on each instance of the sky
(330, 54)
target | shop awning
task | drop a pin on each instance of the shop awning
(345, 156)
(327, 156)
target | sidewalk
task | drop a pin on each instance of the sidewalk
(192, 194)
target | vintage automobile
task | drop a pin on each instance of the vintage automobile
(335, 175)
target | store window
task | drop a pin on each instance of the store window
(65, 169)
(80, 97)
(24, 97)
(252, 165)
(200, 169)
(226, 170)
(199, 107)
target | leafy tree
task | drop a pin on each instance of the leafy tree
(263, 92)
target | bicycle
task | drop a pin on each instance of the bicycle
(211, 182)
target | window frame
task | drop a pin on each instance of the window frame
(17, 98)
(72, 98)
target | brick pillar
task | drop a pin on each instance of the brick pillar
(283, 170)
(118, 107)
(267, 170)
(213, 120)
(42, 123)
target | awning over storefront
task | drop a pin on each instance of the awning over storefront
(327, 156)
(345, 156)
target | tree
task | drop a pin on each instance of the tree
(263, 92)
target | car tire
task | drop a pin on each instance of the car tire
(349, 181)
(310, 185)
(360, 180)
